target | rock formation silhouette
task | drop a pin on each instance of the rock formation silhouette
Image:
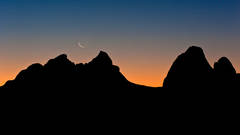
(65, 92)
(60, 73)
(225, 74)
(190, 71)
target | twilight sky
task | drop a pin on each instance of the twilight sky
(143, 37)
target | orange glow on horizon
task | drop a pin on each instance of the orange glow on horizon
(6, 76)
(141, 77)
(145, 72)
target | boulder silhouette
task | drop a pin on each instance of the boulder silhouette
(190, 70)
(224, 67)
(225, 74)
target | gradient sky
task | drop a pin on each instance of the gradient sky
(143, 37)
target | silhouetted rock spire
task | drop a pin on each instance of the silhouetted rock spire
(190, 69)
(102, 59)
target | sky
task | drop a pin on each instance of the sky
(143, 37)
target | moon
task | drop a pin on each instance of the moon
(80, 45)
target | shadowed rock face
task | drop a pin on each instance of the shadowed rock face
(189, 70)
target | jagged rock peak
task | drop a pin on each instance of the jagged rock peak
(60, 61)
(62, 56)
(102, 59)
